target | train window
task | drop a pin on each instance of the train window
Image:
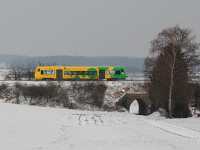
(82, 72)
(92, 72)
(38, 70)
(73, 73)
(77, 72)
(67, 73)
(112, 72)
(117, 72)
(122, 71)
(49, 72)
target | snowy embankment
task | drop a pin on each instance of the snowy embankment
(87, 95)
(26, 127)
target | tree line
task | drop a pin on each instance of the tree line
(23, 72)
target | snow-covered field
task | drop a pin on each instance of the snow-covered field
(25, 127)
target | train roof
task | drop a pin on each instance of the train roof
(102, 67)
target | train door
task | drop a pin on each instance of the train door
(59, 74)
(101, 74)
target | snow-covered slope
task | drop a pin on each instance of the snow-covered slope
(35, 128)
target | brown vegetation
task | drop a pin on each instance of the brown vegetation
(173, 56)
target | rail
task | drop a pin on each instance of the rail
(143, 81)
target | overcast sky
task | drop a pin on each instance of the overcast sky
(90, 27)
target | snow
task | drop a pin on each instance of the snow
(174, 129)
(3, 73)
(134, 107)
(36, 128)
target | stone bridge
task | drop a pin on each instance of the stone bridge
(141, 97)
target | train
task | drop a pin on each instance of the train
(82, 73)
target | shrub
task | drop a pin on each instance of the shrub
(91, 93)
(41, 94)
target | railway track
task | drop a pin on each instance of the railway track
(135, 81)
(74, 81)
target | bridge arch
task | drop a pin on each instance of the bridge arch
(142, 99)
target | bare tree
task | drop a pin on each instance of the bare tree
(173, 56)
(23, 72)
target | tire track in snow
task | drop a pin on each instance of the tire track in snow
(173, 129)
(95, 119)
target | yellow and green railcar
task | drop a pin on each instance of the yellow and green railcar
(80, 73)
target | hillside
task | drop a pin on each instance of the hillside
(133, 64)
